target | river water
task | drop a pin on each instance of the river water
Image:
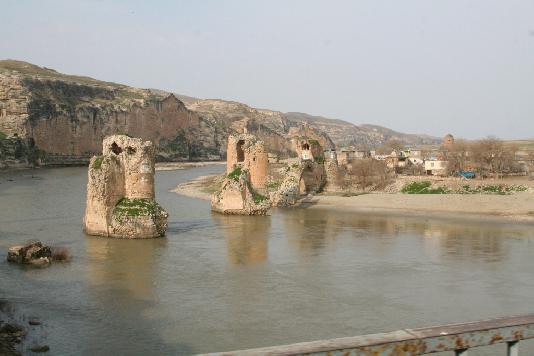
(220, 283)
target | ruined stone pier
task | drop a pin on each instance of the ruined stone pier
(242, 191)
(120, 191)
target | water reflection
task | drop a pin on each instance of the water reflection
(246, 237)
(314, 229)
(129, 266)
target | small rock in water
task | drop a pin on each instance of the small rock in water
(33, 253)
(40, 348)
(34, 322)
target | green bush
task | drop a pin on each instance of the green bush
(422, 188)
(3, 136)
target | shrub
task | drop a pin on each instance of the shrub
(422, 188)
(3, 136)
(60, 254)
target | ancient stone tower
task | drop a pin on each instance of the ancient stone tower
(308, 149)
(247, 152)
(120, 191)
(448, 140)
(242, 190)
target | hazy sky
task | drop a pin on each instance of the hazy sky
(426, 66)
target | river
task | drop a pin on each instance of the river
(218, 283)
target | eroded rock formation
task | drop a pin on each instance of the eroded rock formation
(34, 253)
(120, 191)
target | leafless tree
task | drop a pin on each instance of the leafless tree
(492, 156)
(368, 172)
(390, 146)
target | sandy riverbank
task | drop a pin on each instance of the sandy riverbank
(172, 166)
(518, 207)
(198, 188)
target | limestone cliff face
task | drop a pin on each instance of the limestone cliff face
(67, 117)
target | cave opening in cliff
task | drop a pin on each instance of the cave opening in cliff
(115, 148)
(240, 152)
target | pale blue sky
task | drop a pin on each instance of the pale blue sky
(425, 66)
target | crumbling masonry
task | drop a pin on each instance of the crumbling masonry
(246, 175)
(120, 191)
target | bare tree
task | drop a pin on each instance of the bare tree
(456, 155)
(390, 146)
(492, 156)
(369, 172)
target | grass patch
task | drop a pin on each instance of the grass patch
(235, 174)
(422, 188)
(97, 163)
(3, 136)
(135, 207)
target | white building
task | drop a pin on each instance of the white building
(436, 167)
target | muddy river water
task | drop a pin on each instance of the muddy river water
(218, 283)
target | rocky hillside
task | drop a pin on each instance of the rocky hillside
(56, 118)
(344, 133)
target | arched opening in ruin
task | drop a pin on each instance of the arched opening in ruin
(240, 152)
(130, 150)
(115, 148)
(305, 147)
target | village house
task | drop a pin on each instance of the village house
(347, 154)
(436, 167)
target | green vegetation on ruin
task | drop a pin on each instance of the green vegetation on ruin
(273, 185)
(319, 160)
(97, 163)
(314, 142)
(422, 188)
(257, 197)
(235, 174)
(135, 207)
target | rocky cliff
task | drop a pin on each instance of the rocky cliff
(62, 119)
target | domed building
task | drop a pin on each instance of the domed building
(448, 140)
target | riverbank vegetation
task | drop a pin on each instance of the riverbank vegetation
(425, 187)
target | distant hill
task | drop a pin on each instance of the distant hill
(65, 117)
